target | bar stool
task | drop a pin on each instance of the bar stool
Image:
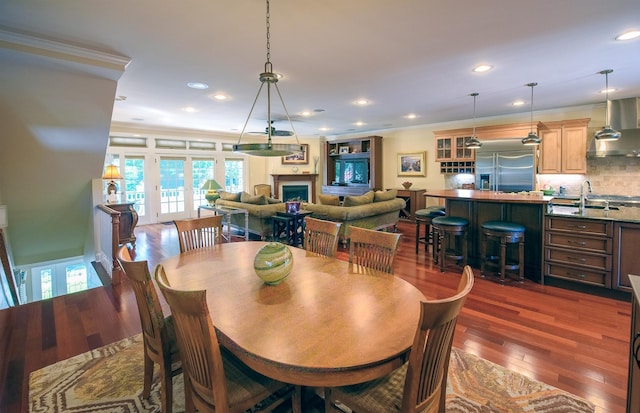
(448, 232)
(506, 233)
(424, 216)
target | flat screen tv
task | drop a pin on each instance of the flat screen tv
(352, 171)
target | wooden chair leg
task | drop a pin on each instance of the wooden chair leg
(148, 376)
(166, 388)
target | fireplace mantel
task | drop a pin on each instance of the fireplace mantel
(278, 178)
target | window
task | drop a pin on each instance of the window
(134, 182)
(171, 185)
(233, 175)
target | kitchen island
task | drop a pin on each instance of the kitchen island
(482, 206)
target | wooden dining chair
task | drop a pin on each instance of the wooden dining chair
(199, 232)
(321, 237)
(373, 249)
(160, 346)
(215, 380)
(420, 385)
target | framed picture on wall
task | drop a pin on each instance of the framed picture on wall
(297, 158)
(412, 164)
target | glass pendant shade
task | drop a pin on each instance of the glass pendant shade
(532, 138)
(607, 133)
(473, 142)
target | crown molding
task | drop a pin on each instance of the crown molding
(40, 46)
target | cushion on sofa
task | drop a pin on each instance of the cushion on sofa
(329, 199)
(380, 196)
(355, 200)
(230, 196)
(253, 199)
(273, 201)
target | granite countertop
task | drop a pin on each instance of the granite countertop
(490, 196)
(622, 213)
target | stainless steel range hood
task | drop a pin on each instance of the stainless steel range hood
(624, 118)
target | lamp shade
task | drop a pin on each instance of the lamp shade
(111, 172)
(211, 184)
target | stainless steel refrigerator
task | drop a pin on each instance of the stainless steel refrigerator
(505, 165)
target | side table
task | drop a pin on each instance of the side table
(226, 212)
(289, 227)
(415, 200)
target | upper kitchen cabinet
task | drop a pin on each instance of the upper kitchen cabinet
(452, 148)
(564, 147)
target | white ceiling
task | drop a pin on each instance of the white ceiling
(405, 56)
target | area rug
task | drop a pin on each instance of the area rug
(109, 379)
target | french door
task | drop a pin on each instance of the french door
(172, 188)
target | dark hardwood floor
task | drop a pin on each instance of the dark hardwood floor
(573, 340)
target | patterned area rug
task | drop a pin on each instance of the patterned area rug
(109, 379)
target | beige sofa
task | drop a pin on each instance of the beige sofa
(373, 211)
(381, 211)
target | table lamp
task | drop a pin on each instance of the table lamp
(111, 173)
(211, 186)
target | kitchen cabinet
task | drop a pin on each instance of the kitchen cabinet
(633, 383)
(452, 148)
(564, 147)
(578, 249)
(625, 246)
(353, 166)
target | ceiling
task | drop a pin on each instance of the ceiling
(404, 56)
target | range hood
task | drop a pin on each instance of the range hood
(624, 118)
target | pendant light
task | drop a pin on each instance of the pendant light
(473, 142)
(607, 133)
(532, 138)
(268, 148)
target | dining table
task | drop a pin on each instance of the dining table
(329, 323)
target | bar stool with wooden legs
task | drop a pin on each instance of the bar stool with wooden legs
(424, 217)
(506, 233)
(449, 240)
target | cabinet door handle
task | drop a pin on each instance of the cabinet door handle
(581, 243)
(576, 275)
(636, 348)
(572, 258)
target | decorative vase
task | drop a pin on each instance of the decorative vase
(407, 184)
(292, 207)
(273, 263)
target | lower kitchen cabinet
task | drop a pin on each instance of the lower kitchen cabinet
(633, 384)
(625, 245)
(578, 249)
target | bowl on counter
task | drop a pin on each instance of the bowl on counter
(547, 192)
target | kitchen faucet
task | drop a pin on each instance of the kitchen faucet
(583, 196)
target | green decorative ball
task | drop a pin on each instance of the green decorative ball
(273, 263)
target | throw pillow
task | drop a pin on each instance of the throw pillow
(385, 195)
(230, 196)
(329, 199)
(253, 199)
(358, 200)
(273, 201)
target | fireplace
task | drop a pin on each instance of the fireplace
(295, 180)
(295, 192)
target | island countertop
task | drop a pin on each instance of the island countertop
(489, 196)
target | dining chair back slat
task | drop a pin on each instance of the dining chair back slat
(158, 334)
(199, 232)
(321, 237)
(420, 384)
(373, 249)
(215, 380)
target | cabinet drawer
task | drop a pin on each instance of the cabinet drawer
(602, 245)
(588, 276)
(580, 226)
(578, 258)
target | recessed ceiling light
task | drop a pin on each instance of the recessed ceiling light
(305, 113)
(323, 129)
(121, 98)
(190, 109)
(631, 34)
(220, 96)
(411, 116)
(482, 68)
(518, 103)
(611, 89)
(198, 85)
(359, 123)
(361, 102)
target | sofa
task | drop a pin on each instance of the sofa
(260, 207)
(373, 210)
